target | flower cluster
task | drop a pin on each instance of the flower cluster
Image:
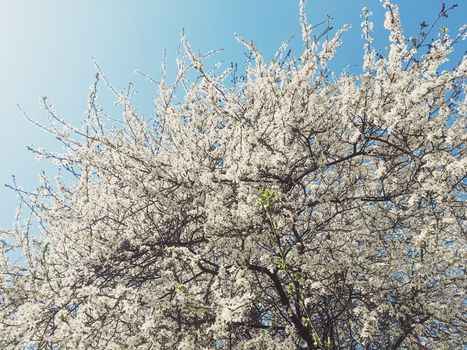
(292, 210)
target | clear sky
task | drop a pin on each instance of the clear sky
(46, 49)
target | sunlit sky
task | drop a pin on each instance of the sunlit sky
(47, 46)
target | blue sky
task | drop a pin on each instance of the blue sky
(47, 46)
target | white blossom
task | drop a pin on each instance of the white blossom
(294, 210)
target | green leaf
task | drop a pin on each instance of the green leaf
(296, 276)
(306, 321)
(265, 198)
(180, 288)
(281, 264)
(316, 340)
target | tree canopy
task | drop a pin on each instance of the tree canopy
(290, 209)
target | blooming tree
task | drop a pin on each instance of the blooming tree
(292, 209)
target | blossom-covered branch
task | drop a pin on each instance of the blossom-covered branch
(292, 210)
